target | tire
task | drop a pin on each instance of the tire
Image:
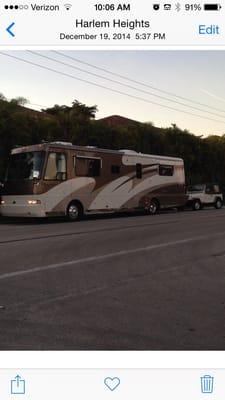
(74, 211)
(218, 204)
(153, 207)
(197, 205)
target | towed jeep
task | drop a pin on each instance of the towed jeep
(207, 194)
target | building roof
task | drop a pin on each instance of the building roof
(118, 121)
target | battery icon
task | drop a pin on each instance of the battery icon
(212, 7)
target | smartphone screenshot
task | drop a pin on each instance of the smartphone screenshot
(112, 184)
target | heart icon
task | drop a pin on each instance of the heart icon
(112, 383)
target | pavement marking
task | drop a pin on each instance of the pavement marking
(107, 256)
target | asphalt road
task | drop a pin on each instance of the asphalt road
(116, 283)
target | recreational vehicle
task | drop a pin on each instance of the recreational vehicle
(53, 179)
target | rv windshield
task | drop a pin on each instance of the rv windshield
(25, 166)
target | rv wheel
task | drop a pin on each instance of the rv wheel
(74, 211)
(197, 205)
(153, 207)
(218, 204)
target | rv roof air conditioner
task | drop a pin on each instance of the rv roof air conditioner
(62, 143)
(128, 151)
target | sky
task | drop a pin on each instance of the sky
(194, 75)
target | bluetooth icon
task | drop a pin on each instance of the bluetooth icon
(178, 7)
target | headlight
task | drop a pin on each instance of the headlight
(2, 202)
(33, 202)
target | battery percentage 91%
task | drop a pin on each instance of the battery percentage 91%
(193, 7)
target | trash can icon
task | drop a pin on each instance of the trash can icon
(207, 382)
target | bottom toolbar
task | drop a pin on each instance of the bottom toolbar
(112, 384)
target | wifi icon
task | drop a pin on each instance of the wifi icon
(67, 6)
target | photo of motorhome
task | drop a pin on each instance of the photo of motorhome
(60, 179)
(112, 188)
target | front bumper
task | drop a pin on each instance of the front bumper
(12, 206)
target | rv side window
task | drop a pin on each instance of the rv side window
(87, 166)
(139, 171)
(115, 169)
(56, 167)
(166, 170)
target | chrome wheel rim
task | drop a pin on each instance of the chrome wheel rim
(73, 212)
(197, 206)
(152, 208)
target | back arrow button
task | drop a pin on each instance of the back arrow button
(9, 29)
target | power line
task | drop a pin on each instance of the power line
(123, 84)
(107, 88)
(137, 82)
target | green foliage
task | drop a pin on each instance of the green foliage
(19, 101)
(72, 121)
(204, 157)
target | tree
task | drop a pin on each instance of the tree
(2, 97)
(83, 113)
(72, 120)
(19, 101)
